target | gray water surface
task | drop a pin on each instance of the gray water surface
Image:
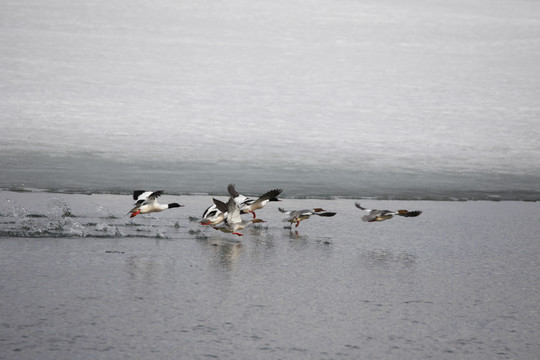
(81, 280)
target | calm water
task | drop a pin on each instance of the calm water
(81, 280)
(429, 100)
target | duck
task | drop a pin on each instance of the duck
(213, 216)
(381, 215)
(299, 215)
(147, 202)
(249, 205)
(233, 221)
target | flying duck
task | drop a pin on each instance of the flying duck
(233, 222)
(248, 205)
(381, 215)
(295, 216)
(213, 216)
(147, 202)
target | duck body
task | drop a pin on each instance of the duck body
(147, 203)
(213, 216)
(295, 216)
(381, 215)
(233, 221)
(249, 205)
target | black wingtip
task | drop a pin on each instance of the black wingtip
(138, 193)
(327, 214)
(406, 213)
(271, 195)
(276, 192)
(357, 204)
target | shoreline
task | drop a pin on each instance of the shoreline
(470, 195)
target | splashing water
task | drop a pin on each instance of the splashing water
(13, 209)
(58, 208)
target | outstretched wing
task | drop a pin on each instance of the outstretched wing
(232, 191)
(210, 212)
(409, 213)
(357, 204)
(326, 214)
(221, 206)
(272, 194)
(241, 200)
(137, 194)
(153, 196)
(143, 195)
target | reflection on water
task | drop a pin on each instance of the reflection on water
(225, 254)
(296, 235)
(142, 268)
(386, 257)
(225, 251)
(328, 290)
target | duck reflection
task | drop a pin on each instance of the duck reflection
(142, 268)
(225, 253)
(295, 235)
(387, 257)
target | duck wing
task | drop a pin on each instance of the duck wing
(137, 194)
(233, 212)
(282, 210)
(357, 204)
(325, 214)
(220, 205)
(210, 212)
(232, 191)
(409, 213)
(241, 200)
(144, 195)
(269, 195)
(153, 196)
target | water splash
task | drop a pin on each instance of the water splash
(58, 221)
(104, 212)
(76, 228)
(109, 229)
(58, 208)
(161, 235)
(13, 209)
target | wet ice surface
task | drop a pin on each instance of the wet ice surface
(379, 98)
(80, 279)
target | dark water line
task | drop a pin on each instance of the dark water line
(94, 175)
(396, 194)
